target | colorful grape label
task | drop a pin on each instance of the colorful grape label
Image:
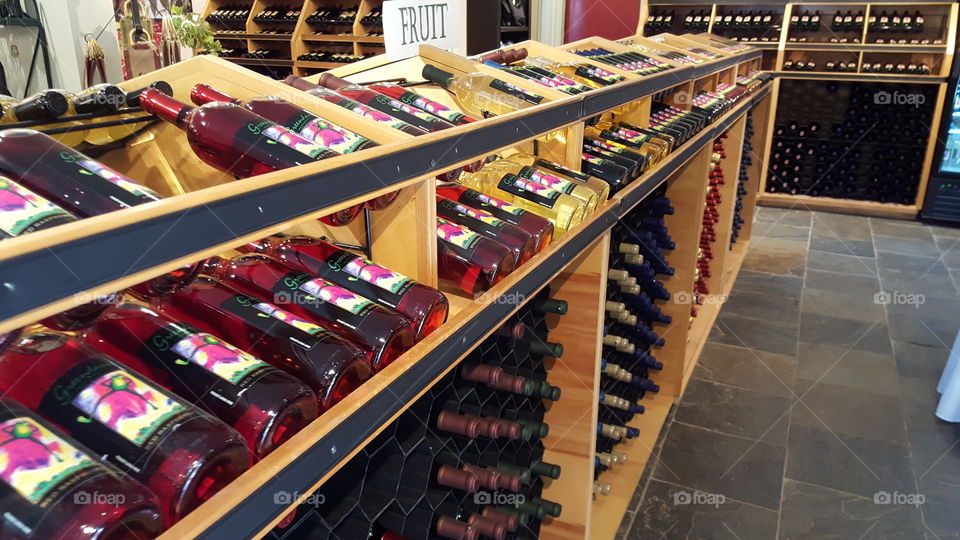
(127, 405)
(499, 204)
(531, 191)
(476, 220)
(430, 120)
(289, 318)
(338, 296)
(284, 136)
(214, 355)
(374, 274)
(363, 110)
(515, 91)
(330, 135)
(461, 237)
(556, 167)
(549, 180)
(112, 176)
(23, 211)
(38, 464)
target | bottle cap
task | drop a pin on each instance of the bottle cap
(202, 94)
(300, 84)
(448, 527)
(133, 97)
(456, 423)
(437, 75)
(488, 527)
(45, 105)
(509, 521)
(457, 479)
(333, 82)
(105, 97)
(546, 348)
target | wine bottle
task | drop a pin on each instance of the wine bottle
(383, 334)
(264, 404)
(232, 139)
(419, 101)
(53, 487)
(588, 195)
(80, 316)
(482, 95)
(48, 105)
(601, 187)
(106, 135)
(330, 365)
(96, 99)
(424, 306)
(518, 241)
(564, 211)
(470, 261)
(351, 105)
(23, 211)
(181, 454)
(65, 177)
(540, 228)
(303, 122)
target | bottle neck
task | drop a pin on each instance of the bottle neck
(201, 94)
(165, 107)
(300, 84)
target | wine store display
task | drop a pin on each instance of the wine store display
(743, 179)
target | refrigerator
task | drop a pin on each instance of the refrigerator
(942, 200)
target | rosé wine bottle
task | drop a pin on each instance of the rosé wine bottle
(424, 306)
(539, 227)
(266, 405)
(181, 454)
(520, 242)
(331, 366)
(53, 487)
(23, 211)
(232, 139)
(383, 334)
(468, 260)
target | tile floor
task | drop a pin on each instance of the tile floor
(811, 398)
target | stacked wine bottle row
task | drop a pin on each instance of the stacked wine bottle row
(633, 62)
(752, 25)
(465, 461)
(570, 78)
(743, 177)
(633, 318)
(708, 232)
(215, 366)
(869, 148)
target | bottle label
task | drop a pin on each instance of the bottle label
(438, 109)
(549, 180)
(412, 116)
(476, 220)
(101, 170)
(591, 75)
(326, 134)
(97, 400)
(325, 298)
(41, 467)
(91, 174)
(556, 167)
(500, 209)
(263, 316)
(23, 211)
(284, 136)
(515, 91)
(531, 191)
(461, 239)
(372, 114)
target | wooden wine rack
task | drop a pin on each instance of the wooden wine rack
(942, 20)
(206, 213)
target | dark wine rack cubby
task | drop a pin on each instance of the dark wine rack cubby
(851, 140)
(387, 484)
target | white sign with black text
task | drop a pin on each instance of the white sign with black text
(407, 24)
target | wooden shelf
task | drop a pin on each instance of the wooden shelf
(256, 37)
(829, 204)
(318, 65)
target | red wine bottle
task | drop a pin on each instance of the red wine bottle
(23, 211)
(331, 366)
(384, 104)
(540, 228)
(421, 102)
(53, 487)
(82, 315)
(469, 261)
(520, 242)
(266, 405)
(354, 106)
(301, 122)
(424, 306)
(181, 454)
(65, 177)
(383, 334)
(232, 139)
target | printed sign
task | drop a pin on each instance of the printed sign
(407, 24)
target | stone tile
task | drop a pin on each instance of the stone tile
(845, 283)
(712, 462)
(832, 244)
(665, 516)
(860, 370)
(860, 306)
(772, 284)
(919, 361)
(772, 229)
(906, 246)
(950, 254)
(931, 439)
(941, 490)
(735, 411)
(626, 525)
(900, 228)
(914, 275)
(919, 330)
(844, 410)
(812, 511)
(844, 333)
(955, 274)
(799, 218)
(776, 256)
(847, 463)
(944, 231)
(763, 306)
(838, 262)
(755, 334)
(756, 370)
(844, 226)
